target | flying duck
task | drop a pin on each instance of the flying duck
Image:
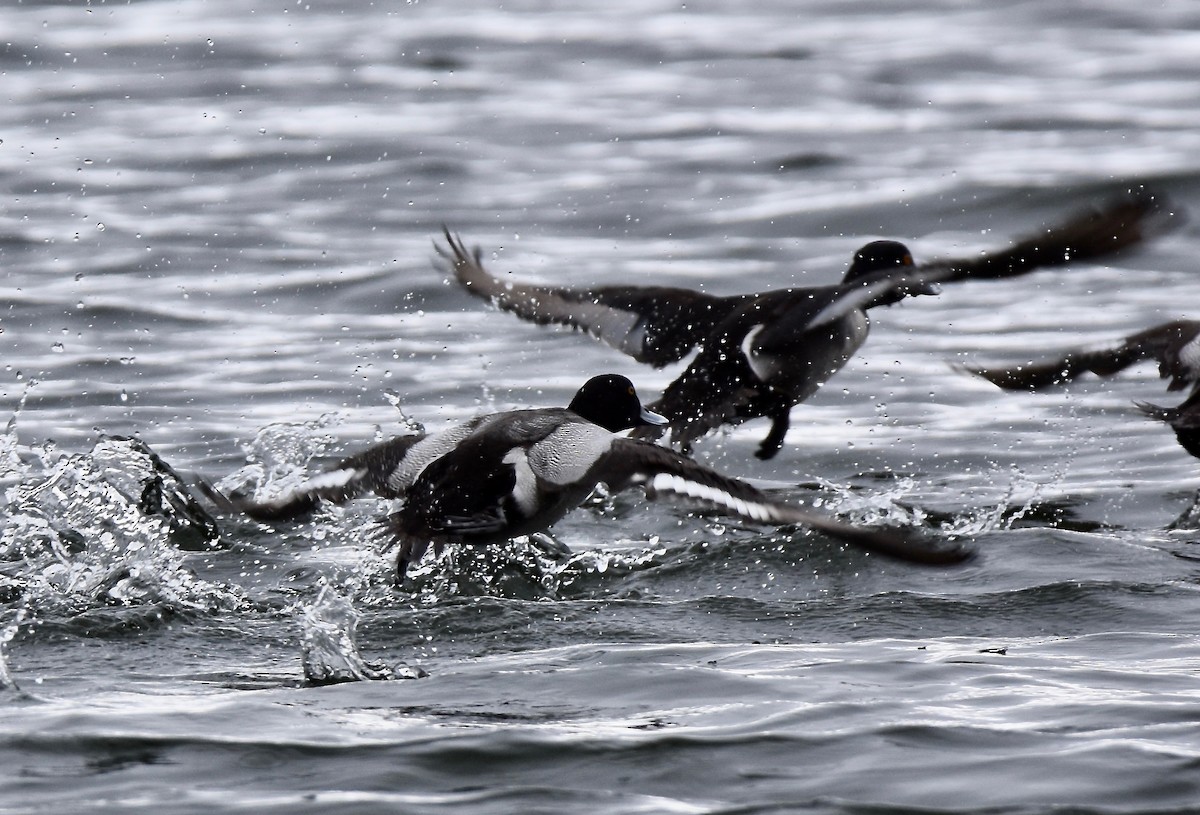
(515, 473)
(760, 354)
(1175, 345)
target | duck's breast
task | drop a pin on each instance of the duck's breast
(567, 455)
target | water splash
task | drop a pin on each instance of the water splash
(329, 644)
(584, 569)
(107, 527)
(278, 457)
(408, 423)
(525, 568)
(10, 461)
(873, 508)
(487, 398)
(12, 468)
(144, 479)
(7, 683)
(1002, 515)
(1189, 518)
(1023, 496)
(537, 567)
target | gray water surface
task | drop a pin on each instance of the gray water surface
(219, 237)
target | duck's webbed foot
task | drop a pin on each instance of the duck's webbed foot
(408, 552)
(1190, 519)
(409, 548)
(773, 442)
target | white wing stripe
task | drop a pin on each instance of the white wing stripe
(667, 482)
(333, 478)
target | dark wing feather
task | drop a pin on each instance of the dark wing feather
(350, 478)
(711, 391)
(1092, 234)
(1095, 233)
(663, 471)
(460, 494)
(378, 462)
(653, 324)
(1162, 342)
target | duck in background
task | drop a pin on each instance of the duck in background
(1174, 345)
(504, 475)
(760, 354)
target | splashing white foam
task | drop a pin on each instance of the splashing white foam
(329, 644)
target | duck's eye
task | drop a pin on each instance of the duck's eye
(908, 261)
(631, 391)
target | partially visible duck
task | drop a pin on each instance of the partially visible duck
(515, 473)
(760, 354)
(1184, 419)
(1174, 345)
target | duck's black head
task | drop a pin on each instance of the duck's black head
(878, 256)
(884, 256)
(610, 401)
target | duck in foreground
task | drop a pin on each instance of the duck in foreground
(515, 473)
(760, 354)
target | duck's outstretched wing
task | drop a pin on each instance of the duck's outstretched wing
(350, 478)
(1174, 345)
(1090, 235)
(715, 389)
(664, 472)
(657, 325)
(461, 495)
(1094, 233)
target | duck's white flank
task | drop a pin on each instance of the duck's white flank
(755, 361)
(525, 491)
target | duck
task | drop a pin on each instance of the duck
(1183, 419)
(1174, 345)
(504, 475)
(760, 354)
